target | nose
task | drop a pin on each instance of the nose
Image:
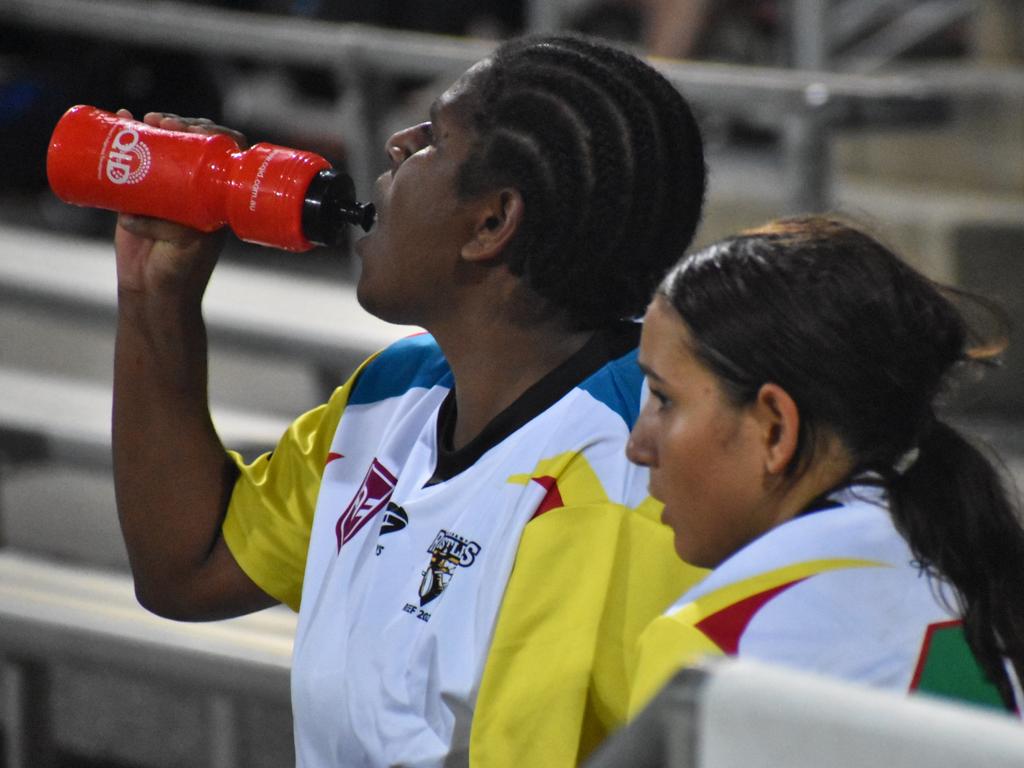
(640, 446)
(405, 143)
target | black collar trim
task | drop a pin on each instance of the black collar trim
(603, 347)
(823, 502)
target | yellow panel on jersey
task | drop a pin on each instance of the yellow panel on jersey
(680, 638)
(597, 574)
(278, 496)
(578, 483)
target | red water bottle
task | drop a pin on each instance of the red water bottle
(268, 194)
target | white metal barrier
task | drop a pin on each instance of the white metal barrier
(744, 714)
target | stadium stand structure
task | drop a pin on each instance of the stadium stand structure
(903, 150)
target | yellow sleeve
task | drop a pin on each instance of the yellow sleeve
(667, 645)
(270, 513)
(586, 580)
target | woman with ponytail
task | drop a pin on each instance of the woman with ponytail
(791, 432)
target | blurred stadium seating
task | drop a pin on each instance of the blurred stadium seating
(929, 151)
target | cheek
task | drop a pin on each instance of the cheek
(708, 491)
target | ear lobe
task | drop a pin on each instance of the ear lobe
(779, 419)
(499, 217)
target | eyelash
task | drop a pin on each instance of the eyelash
(663, 401)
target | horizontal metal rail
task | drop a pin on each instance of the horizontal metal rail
(803, 103)
(290, 40)
(730, 712)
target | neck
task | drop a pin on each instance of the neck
(494, 364)
(826, 471)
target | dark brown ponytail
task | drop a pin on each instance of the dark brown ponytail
(864, 344)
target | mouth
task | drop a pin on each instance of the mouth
(374, 208)
(367, 215)
(371, 222)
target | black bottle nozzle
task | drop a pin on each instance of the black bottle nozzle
(330, 205)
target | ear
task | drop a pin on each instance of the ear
(499, 216)
(779, 422)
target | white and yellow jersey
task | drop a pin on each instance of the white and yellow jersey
(834, 591)
(478, 604)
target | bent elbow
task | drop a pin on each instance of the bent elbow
(165, 603)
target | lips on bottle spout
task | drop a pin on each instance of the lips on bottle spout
(330, 206)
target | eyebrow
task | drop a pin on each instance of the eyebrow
(435, 111)
(649, 372)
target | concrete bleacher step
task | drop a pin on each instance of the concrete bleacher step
(85, 627)
(308, 321)
(92, 615)
(48, 417)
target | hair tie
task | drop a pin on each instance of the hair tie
(906, 461)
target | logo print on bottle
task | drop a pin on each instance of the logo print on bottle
(448, 551)
(373, 495)
(129, 159)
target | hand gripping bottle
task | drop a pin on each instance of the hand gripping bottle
(270, 195)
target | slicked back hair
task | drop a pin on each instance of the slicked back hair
(609, 161)
(864, 345)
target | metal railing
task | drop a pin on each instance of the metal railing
(731, 712)
(50, 613)
(804, 103)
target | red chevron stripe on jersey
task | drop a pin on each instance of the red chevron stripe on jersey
(552, 499)
(725, 627)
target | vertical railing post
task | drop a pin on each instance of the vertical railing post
(223, 732)
(807, 147)
(28, 740)
(544, 15)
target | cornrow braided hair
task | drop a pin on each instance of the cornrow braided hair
(608, 159)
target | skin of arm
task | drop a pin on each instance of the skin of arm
(674, 27)
(172, 475)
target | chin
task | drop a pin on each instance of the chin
(386, 307)
(692, 555)
(365, 296)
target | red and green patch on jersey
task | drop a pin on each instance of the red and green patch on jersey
(946, 667)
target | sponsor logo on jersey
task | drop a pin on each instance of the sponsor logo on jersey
(373, 495)
(448, 552)
(395, 519)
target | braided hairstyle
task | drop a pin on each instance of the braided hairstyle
(608, 159)
(864, 344)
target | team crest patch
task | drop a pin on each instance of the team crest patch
(448, 552)
(373, 495)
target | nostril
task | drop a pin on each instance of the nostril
(633, 452)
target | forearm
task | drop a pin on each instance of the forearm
(172, 475)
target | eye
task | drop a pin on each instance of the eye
(427, 130)
(660, 397)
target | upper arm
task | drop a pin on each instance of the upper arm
(269, 518)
